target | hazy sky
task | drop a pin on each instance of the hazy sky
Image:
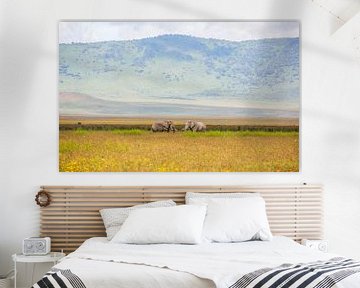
(234, 31)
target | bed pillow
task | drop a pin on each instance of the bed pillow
(236, 220)
(172, 225)
(204, 198)
(113, 218)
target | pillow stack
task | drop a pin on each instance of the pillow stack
(235, 217)
(114, 218)
(171, 225)
(220, 217)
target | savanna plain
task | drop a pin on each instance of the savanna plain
(128, 145)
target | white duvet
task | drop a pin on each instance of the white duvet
(100, 263)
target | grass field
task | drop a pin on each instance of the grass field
(136, 150)
(226, 121)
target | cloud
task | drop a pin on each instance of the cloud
(230, 30)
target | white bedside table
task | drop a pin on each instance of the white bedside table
(53, 257)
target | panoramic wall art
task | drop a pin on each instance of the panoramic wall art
(179, 96)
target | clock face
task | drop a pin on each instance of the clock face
(40, 245)
(323, 247)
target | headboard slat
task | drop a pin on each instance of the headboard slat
(73, 216)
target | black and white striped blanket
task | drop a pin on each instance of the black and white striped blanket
(320, 274)
(57, 278)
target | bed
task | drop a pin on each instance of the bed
(295, 211)
(98, 263)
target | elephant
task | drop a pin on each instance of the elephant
(194, 126)
(163, 126)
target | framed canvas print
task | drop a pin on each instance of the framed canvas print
(179, 96)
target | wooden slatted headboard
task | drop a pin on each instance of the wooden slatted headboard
(73, 215)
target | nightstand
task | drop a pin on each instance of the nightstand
(52, 257)
(320, 245)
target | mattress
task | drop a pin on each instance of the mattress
(99, 263)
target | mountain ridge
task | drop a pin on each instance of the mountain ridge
(184, 70)
(185, 35)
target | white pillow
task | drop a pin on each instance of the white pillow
(204, 198)
(113, 218)
(236, 220)
(180, 224)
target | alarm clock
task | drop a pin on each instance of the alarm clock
(36, 246)
(320, 245)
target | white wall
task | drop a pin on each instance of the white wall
(29, 124)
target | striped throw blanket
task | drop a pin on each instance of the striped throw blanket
(57, 278)
(320, 274)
